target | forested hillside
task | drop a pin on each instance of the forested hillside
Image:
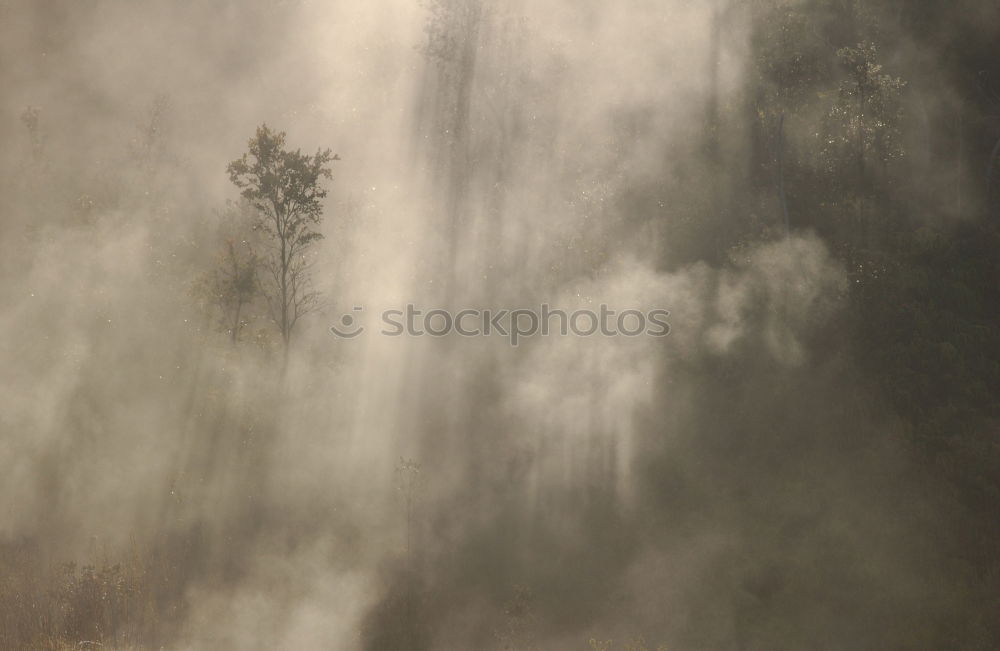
(220, 427)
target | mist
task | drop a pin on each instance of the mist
(807, 459)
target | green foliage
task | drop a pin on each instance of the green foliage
(285, 189)
(284, 186)
(232, 285)
(863, 124)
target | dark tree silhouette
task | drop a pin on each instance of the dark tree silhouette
(284, 187)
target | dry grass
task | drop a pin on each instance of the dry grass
(107, 605)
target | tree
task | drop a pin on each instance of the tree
(861, 135)
(232, 285)
(284, 188)
(869, 106)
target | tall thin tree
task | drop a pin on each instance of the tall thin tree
(285, 188)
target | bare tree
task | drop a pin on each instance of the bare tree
(284, 187)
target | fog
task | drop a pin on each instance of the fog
(728, 486)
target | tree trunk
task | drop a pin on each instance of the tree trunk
(781, 173)
(285, 334)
